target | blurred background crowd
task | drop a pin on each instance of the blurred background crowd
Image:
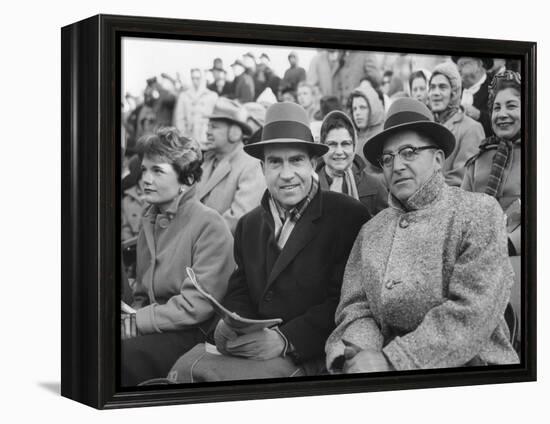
(328, 80)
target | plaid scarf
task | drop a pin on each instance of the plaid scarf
(500, 160)
(284, 220)
(445, 115)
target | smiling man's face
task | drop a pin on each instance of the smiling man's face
(288, 172)
(404, 178)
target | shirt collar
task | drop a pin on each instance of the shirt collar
(475, 88)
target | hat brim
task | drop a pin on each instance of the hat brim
(245, 127)
(257, 149)
(439, 134)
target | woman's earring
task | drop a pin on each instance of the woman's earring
(182, 189)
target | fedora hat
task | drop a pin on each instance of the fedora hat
(406, 114)
(286, 124)
(487, 62)
(231, 111)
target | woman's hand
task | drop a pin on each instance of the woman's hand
(128, 326)
(366, 361)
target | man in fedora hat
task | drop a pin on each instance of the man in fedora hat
(428, 279)
(290, 253)
(232, 182)
(475, 94)
(220, 84)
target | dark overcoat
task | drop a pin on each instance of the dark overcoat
(301, 283)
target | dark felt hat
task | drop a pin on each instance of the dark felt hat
(406, 114)
(487, 62)
(286, 123)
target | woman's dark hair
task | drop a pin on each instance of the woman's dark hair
(507, 79)
(184, 154)
(334, 122)
(415, 75)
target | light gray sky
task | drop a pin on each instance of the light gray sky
(143, 58)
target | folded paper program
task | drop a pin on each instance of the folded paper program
(237, 323)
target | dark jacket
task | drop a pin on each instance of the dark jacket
(226, 91)
(292, 77)
(301, 284)
(372, 193)
(244, 88)
(481, 100)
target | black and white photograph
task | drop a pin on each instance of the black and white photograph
(255, 213)
(295, 212)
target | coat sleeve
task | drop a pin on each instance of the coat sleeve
(308, 332)
(213, 264)
(354, 319)
(248, 193)
(467, 146)
(454, 332)
(180, 115)
(237, 298)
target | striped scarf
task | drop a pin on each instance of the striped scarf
(285, 225)
(500, 161)
(337, 183)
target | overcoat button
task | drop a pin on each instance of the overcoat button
(268, 296)
(389, 284)
(403, 223)
(163, 222)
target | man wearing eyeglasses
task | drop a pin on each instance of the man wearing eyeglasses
(428, 279)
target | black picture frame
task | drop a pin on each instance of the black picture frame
(91, 70)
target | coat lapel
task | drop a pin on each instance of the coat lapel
(149, 236)
(303, 233)
(223, 168)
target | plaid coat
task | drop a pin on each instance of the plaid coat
(427, 283)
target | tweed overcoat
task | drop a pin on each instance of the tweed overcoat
(427, 283)
(188, 234)
(234, 187)
(301, 283)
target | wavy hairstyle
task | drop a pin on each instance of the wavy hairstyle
(182, 153)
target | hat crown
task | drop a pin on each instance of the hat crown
(407, 110)
(229, 109)
(286, 111)
(286, 120)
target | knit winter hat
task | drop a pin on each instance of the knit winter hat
(450, 71)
